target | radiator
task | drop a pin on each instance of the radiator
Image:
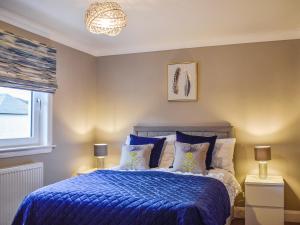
(15, 184)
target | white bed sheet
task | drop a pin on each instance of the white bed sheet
(230, 182)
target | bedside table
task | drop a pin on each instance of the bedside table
(86, 171)
(264, 200)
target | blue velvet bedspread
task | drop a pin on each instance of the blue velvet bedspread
(127, 198)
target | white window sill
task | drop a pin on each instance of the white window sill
(25, 150)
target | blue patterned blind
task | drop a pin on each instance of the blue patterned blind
(26, 64)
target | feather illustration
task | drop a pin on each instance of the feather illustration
(187, 86)
(175, 80)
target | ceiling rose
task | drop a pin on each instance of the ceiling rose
(105, 18)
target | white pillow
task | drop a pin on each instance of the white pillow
(167, 156)
(190, 158)
(127, 142)
(222, 156)
(170, 139)
(135, 157)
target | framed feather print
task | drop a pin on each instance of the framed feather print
(182, 82)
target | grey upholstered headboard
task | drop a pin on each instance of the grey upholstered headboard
(222, 130)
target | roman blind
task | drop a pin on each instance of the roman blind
(26, 64)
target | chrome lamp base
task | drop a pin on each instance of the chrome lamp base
(100, 162)
(263, 170)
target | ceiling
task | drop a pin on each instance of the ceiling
(159, 24)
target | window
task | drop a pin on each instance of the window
(15, 113)
(24, 119)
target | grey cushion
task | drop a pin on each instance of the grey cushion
(135, 157)
(190, 158)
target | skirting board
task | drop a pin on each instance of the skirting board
(292, 216)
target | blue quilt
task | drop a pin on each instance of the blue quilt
(127, 198)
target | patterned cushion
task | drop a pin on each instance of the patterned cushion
(192, 139)
(190, 158)
(135, 157)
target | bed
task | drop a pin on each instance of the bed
(154, 196)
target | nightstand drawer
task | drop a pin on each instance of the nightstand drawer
(264, 216)
(264, 195)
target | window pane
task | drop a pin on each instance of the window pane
(15, 113)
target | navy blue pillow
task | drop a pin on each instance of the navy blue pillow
(191, 139)
(156, 151)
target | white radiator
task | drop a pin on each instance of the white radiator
(15, 184)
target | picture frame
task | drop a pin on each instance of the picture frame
(183, 81)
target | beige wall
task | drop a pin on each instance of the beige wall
(256, 87)
(73, 113)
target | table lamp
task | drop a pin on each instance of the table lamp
(263, 154)
(100, 151)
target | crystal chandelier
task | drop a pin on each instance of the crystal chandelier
(105, 18)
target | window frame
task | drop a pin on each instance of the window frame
(41, 138)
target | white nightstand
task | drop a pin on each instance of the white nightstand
(82, 172)
(264, 200)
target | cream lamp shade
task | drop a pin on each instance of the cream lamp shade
(262, 154)
(100, 150)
